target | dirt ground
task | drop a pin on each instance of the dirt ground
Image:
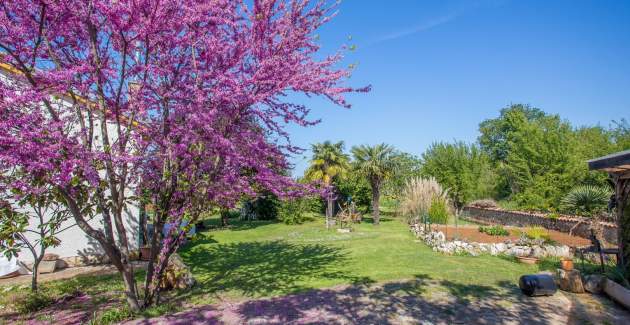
(66, 273)
(419, 301)
(472, 234)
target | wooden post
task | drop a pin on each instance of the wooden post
(622, 189)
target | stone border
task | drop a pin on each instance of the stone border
(437, 241)
(574, 225)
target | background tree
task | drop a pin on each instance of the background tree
(461, 168)
(328, 163)
(375, 163)
(407, 166)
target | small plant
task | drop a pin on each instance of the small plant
(497, 230)
(438, 212)
(553, 215)
(537, 233)
(112, 316)
(32, 302)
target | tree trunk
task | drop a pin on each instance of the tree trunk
(35, 271)
(224, 218)
(376, 202)
(623, 221)
(130, 288)
(329, 210)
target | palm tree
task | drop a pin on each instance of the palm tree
(329, 161)
(376, 163)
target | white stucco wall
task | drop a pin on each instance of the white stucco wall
(74, 242)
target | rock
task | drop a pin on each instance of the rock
(563, 251)
(594, 283)
(344, 230)
(617, 292)
(570, 281)
(538, 252)
(550, 250)
(177, 274)
(47, 267)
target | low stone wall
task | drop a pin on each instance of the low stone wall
(573, 225)
(437, 241)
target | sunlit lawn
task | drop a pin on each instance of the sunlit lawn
(255, 259)
(252, 259)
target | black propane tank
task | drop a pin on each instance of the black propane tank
(537, 285)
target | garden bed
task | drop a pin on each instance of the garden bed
(472, 234)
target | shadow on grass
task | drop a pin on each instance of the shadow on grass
(394, 302)
(236, 224)
(264, 268)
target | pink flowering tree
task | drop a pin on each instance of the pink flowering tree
(185, 100)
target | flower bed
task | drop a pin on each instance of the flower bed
(437, 240)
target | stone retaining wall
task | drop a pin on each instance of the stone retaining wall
(574, 225)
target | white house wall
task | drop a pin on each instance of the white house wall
(74, 242)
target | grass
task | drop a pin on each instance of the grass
(262, 258)
(266, 258)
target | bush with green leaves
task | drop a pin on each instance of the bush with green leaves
(586, 200)
(293, 211)
(32, 301)
(438, 212)
(496, 230)
(538, 233)
(264, 207)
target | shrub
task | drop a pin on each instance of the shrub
(113, 315)
(264, 207)
(586, 200)
(32, 302)
(538, 233)
(438, 212)
(553, 216)
(293, 211)
(418, 196)
(484, 204)
(497, 230)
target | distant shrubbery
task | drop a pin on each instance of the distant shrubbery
(293, 211)
(503, 164)
(484, 204)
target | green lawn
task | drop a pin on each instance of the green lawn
(256, 259)
(263, 259)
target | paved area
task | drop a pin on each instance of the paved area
(66, 273)
(415, 302)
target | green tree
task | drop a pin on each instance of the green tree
(328, 162)
(494, 138)
(408, 166)
(376, 163)
(542, 163)
(463, 169)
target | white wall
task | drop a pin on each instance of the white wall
(74, 242)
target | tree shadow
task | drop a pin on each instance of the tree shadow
(402, 302)
(370, 220)
(264, 268)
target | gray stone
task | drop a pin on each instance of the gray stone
(617, 292)
(47, 267)
(594, 283)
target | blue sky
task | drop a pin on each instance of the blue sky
(438, 68)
